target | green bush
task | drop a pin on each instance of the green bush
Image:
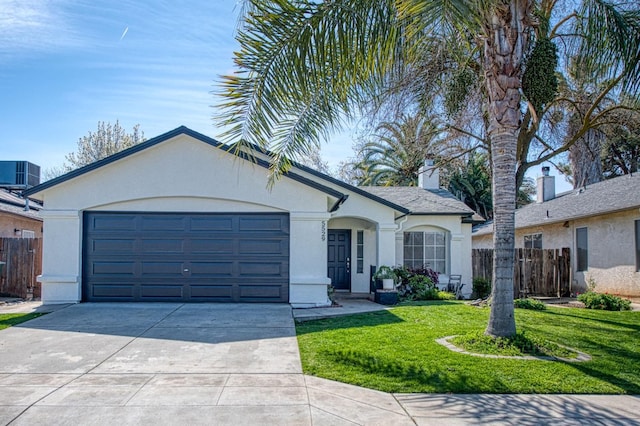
(481, 288)
(604, 301)
(528, 303)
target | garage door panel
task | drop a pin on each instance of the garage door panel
(112, 246)
(212, 246)
(260, 269)
(261, 291)
(113, 268)
(211, 269)
(186, 257)
(161, 290)
(163, 223)
(111, 290)
(265, 247)
(212, 223)
(257, 224)
(165, 269)
(221, 292)
(114, 223)
(162, 245)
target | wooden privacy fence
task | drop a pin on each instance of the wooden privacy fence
(536, 272)
(23, 258)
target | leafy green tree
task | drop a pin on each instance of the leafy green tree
(303, 66)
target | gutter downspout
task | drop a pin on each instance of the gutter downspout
(402, 220)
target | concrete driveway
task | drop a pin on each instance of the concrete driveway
(172, 364)
(225, 364)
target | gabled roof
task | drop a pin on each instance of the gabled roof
(425, 202)
(206, 139)
(405, 200)
(155, 141)
(609, 196)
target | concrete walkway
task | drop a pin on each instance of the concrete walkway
(224, 364)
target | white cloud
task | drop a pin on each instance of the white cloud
(34, 25)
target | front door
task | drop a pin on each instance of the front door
(339, 258)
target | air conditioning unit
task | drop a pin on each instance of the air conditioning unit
(19, 174)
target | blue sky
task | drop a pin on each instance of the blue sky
(67, 64)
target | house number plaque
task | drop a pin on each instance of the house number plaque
(323, 232)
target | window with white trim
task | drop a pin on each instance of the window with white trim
(426, 250)
(533, 241)
(360, 252)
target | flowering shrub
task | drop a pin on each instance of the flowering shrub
(419, 284)
(604, 301)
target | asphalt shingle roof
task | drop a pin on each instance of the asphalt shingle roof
(609, 196)
(423, 201)
(11, 203)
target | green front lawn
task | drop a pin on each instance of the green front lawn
(395, 351)
(7, 320)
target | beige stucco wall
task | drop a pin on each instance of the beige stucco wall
(611, 241)
(9, 222)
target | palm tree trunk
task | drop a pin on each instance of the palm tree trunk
(505, 44)
(502, 320)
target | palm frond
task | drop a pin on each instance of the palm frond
(609, 42)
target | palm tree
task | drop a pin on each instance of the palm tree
(397, 152)
(470, 181)
(304, 66)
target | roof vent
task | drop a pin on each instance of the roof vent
(19, 174)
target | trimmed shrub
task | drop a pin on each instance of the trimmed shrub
(481, 288)
(529, 303)
(604, 301)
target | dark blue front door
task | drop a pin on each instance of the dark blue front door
(339, 258)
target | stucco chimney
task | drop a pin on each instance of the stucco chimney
(546, 186)
(429, 175)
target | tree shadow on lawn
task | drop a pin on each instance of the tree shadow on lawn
(600, 369)
(367, 319)
(437, 378)
(617, 357)
(566, 312)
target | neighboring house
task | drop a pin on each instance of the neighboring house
(17, 220)
(177, 218)
(600, 224)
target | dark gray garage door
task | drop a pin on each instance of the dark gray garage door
(179, 257)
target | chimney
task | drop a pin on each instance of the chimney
(429, 175)
(546, 186)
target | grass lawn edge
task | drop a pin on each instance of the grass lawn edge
(580, 356)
